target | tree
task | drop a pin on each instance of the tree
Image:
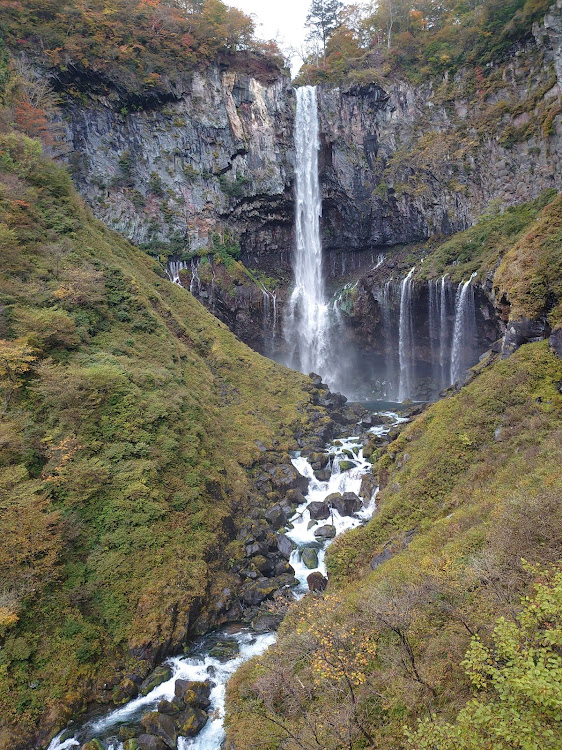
(518, 683)
(16, 361)
(323, 19)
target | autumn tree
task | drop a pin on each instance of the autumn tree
(16, 362)
(517, 681)
(323, 19)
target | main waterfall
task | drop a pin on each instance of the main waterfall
(306, 323)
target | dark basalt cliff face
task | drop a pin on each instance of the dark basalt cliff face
(399, 164)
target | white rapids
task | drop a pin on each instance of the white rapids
(199, 665)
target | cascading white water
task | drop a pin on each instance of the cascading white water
(406, 338)
(306, 324)
(435, 331)
(464, 330)
(200, 665)
(443, 333)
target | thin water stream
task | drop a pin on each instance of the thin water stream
(199, 664)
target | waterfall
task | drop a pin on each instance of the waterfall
(464, 332)
(406, 338)
(175, 267)
(435, 331)
(307, 323)
(443, 334)
(389, 338)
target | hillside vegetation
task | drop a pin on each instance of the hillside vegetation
(469, 521)
(127, 416)
(140, 48)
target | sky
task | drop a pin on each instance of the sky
(282, 20)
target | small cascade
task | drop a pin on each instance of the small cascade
(464, 332)
(173, 270)
(406, 338)
(306, 324)
(269, 319)
(195, 283)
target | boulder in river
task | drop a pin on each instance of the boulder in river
(191, 721)
(347, 504)
(125, 691)
(309, 556)
(197, 692)
(165, 707)
(161, 725)
(131, 744)
(325, 532)
(149, 742)
(316, 581)
(161, 674)
(94, 744)
(223, 650)
(346, 465)
(318, 510)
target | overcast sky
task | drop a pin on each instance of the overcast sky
(282, 20)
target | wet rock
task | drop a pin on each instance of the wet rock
(319, 511)
(294, 497)
(265, 622)
(150, 742)
(368, 487)
(125, 691)
(165, 707)
(92, 745)
(131, 744)
(161, 674)
(223, 650)
(325, 532)
(285, 546)
(191, 721)
(197, 692)
(309, 556)
(348, 504)
(162, 726)
(371, 420)
(346, 465)
(254, 593)
(317, 582)
(311, 524)
(323, 475)
(126, 733)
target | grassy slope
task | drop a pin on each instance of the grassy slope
(477, 477)
(121, 452)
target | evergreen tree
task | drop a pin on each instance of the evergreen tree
(323, 19)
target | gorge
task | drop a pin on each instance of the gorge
(280, 378)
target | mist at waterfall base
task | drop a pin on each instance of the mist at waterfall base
(428, 344)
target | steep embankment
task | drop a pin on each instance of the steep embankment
(467, 491)
(129, 420)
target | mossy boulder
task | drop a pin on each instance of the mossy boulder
(224, 650)
(191, 721)
(161, 674)
(325, 532)
(162, 726)
(94, 744)
(309, 556)
(346, 465)
(126, 733)
(150, 742)
(131, 744)
(125, 691)
(197, 692)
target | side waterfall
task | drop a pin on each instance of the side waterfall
(306, 324)
(406, 338)
(464, 332)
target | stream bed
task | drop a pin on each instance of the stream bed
(199, 664)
